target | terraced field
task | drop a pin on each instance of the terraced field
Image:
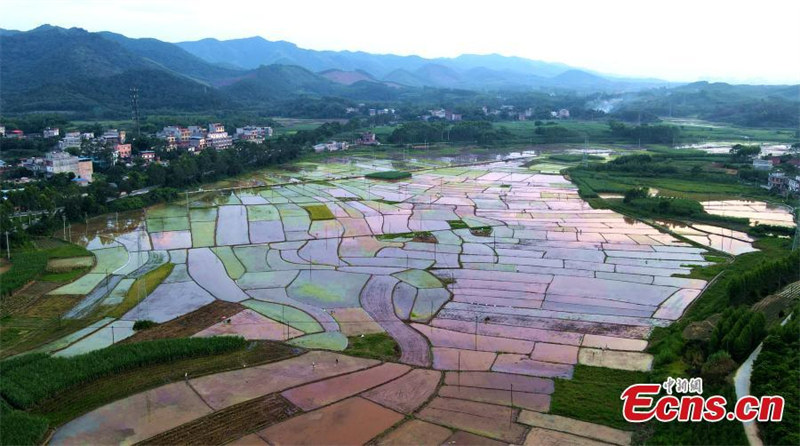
(485, 320)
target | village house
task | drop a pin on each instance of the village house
(368, 139)
(253, 134)
(217, 137)
(759, 164)
(50, 132)
(332, 146)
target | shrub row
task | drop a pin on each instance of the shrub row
(738, 332)
(31, 379)
(769, 277)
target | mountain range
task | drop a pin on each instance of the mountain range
(56, 69)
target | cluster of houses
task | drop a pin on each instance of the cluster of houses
(195, 139)
(62, 162)
(366, 139)
(447, 115)
(370, 111)
(780, 182)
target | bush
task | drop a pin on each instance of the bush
(635, 193)
(31, 379)
(717, 367)
(738, 332)
(389, 175)
(143, 325)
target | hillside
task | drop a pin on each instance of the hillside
(174, 58)
(472, 71)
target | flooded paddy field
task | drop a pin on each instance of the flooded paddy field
(492, 278)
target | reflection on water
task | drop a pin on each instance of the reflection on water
(725, 147)
(758, 212)
(721, 239)
(98, 232)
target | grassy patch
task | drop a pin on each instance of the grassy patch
(64, 276)
(319, 212)
(593, 395)
(418, 236)
(148, 282)
(379, 346)
(457, 224)
(388, 175)
(29, 263)
(25, 266)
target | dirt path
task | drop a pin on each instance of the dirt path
(376, 299)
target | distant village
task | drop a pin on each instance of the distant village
(73, 152)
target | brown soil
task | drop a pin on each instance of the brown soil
(189, 323)
(25, 297)
(230, 423)
(424, 239)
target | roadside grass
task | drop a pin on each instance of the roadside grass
(593, 395)
(147, 283)
(379, 346)
(319, 212)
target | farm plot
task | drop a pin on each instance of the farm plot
(499, 280)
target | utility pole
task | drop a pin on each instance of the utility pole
(135, 110)
(8, 248)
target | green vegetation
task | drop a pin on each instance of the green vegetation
(751, 286)
(319, 212)
(457, 224)
(573, 157)
(142, 288)
(379, 346)
(20, 428)
(676, 355)
(419, 236)
(388, 175)
(776, 371)
(78, 400)
(738, 332)
(686, 174)
(605, 386)
(26, 265)
(29, 263)
(30, 379)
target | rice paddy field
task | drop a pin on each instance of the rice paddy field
(494, 281)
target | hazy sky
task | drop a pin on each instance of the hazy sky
(681, 40)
